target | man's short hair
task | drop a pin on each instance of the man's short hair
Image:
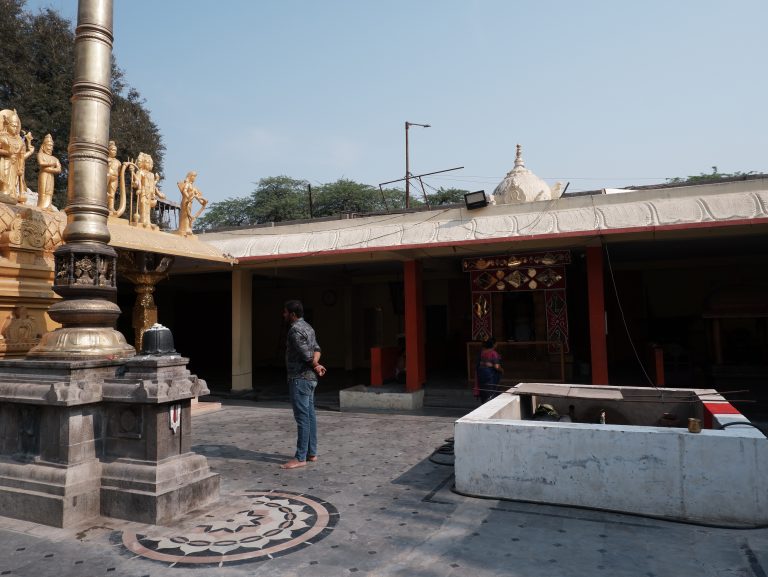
(295, 306)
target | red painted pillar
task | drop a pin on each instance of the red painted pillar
(415, 367)
(597, 340)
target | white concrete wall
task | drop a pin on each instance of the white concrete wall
(716, 476)
(362, 397)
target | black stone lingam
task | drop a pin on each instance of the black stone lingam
(158, 341)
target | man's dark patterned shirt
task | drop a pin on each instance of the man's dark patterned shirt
(300, 347)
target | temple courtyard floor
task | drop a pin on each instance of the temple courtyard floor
(377, 502)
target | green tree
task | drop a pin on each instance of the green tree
(36, 72)
(708, 177)
(232, 212)
(275, 199)
(133, 130)
(349, 196)
(36, 65)
(281, 198)
(345, 196)
(394, 199)
(446, 196)
(278, 198)
(13, 23)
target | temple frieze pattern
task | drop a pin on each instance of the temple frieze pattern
(580, 214)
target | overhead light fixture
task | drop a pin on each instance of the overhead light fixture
(475, 199)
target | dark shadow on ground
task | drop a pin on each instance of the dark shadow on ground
(232, 452)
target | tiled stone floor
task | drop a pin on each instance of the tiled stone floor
(389, 511)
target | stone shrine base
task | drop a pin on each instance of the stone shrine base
(79, 439)
(383, 398)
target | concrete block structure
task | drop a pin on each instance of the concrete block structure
(639, 466)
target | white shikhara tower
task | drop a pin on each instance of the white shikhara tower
(522, 185)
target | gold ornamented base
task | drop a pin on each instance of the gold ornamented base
(83, 343)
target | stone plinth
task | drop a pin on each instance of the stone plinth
(380, 398)
(50, 493)
(50, 424)
(83, 438)
(149, 473)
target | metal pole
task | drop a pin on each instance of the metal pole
(407, 170)
(309, 191)
(383, 198)
(424, 192)
(85, 265)
(424, 174)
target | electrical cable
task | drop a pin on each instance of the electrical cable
(445, 449)
(602, 510)
(624, 320)
(734, 423)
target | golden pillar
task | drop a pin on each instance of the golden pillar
(144, 270)
(85, 266)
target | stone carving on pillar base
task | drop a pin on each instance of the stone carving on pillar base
(29, 235)
(85, 277)
(19, 332)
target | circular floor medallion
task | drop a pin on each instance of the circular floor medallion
(258, 525)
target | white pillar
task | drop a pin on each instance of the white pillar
(242, 337)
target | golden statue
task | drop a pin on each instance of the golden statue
(49, 168)
(189, 193)
(144, 182)
(15, 149)
(114, 174)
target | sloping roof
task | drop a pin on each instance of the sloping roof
(129, 237)
(647, 212)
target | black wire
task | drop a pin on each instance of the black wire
(624, 320)
(445, 449)
(734, 423)
(601, 510)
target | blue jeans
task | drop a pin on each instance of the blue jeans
(303, 401)
(488, 381)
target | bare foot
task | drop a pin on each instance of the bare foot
(293, 464)
(312, 458)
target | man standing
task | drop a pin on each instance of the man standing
(302, 359)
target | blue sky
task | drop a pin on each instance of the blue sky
(599, 93)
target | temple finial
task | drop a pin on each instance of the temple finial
(519, 162)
